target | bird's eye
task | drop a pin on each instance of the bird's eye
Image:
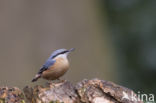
(64, 52)
(59, 54)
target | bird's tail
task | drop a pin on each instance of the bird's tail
(36, 77)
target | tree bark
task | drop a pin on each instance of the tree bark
(86, 91)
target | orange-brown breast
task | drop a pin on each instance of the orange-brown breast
(57, 70)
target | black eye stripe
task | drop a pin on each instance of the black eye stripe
(59, 54)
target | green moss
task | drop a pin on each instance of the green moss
(22, 101)
(21, 96)
(55, 102)
(2, 100)
(83, 90)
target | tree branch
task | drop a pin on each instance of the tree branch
(86, 91)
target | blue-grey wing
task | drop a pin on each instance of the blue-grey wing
(47, 64)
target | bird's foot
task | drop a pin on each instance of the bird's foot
(61, 81)
(56, 83)
(49, 83)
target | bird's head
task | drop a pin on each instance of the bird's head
(61, 53)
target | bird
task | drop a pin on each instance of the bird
(55, 66)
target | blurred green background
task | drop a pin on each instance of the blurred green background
(115, 40)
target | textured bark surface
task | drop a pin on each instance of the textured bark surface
(11, 95)
(63, 92)
(100, 91)
(86, 91)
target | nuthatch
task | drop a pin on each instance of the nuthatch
(55, 66)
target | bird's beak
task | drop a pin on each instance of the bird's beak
(70, 50)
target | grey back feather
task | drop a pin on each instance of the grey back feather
(46, 65)
(50, 60)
